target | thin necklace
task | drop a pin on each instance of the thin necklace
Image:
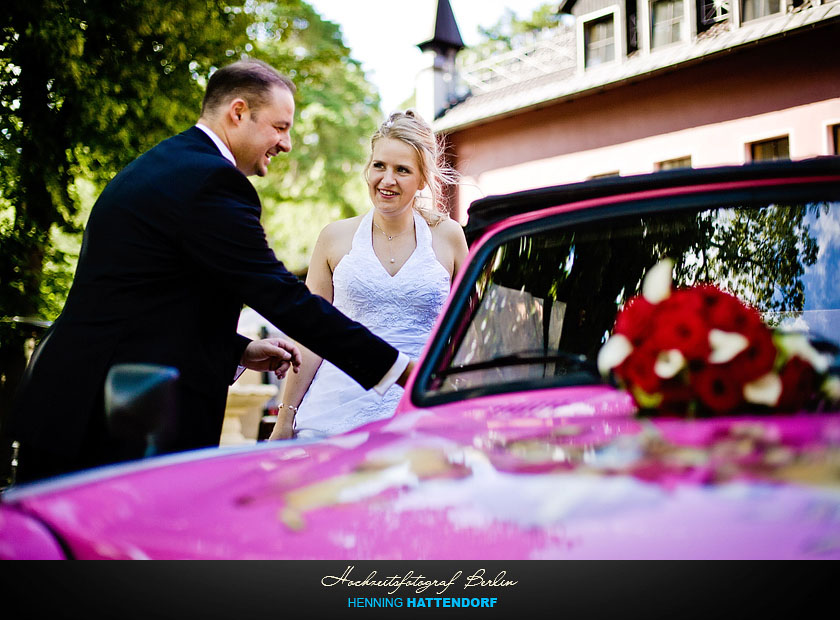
(389, 237)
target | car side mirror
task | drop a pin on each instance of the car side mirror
(141, 406)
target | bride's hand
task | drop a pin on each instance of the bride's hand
(271, 355)
(406, 373)
(284, 427)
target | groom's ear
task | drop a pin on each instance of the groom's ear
(237, 108)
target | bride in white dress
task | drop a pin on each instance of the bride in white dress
(390, 269)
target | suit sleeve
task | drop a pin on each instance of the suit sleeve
(223, 234)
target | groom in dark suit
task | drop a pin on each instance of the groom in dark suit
(172, 250)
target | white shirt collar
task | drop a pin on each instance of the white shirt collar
(218, 142)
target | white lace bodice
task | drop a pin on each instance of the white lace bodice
(401, 309)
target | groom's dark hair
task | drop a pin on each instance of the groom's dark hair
(250, 79)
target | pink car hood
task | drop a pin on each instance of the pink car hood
(565, 473)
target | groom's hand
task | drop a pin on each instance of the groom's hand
(271, 355)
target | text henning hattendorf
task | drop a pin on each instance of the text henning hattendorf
(420, 582)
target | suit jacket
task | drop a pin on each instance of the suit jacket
(172, 250)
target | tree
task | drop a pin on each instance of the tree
(510, 32)
(85, 86)
(321, 179)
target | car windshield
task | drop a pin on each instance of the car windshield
(544, 301)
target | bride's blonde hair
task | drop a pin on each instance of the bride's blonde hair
(408, 127)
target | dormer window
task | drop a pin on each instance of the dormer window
(666, 22)
(599, 40)
(753, 9)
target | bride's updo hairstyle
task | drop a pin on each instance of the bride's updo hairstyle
(408, 127)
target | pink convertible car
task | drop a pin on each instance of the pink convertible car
(630, 367)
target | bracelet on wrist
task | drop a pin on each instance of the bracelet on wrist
(291, 408)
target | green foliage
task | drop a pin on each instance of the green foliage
(509, 26)
(85, 87)
(509, 32)
(338, 110)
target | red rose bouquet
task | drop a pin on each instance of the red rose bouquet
(701, 350)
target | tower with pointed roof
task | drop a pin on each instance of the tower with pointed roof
(437, 81)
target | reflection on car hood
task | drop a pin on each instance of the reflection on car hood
(566, 473)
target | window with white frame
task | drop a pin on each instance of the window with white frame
(753, 9)
(835, 139)
(666, 22)
(599, 40)
(767, 150)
